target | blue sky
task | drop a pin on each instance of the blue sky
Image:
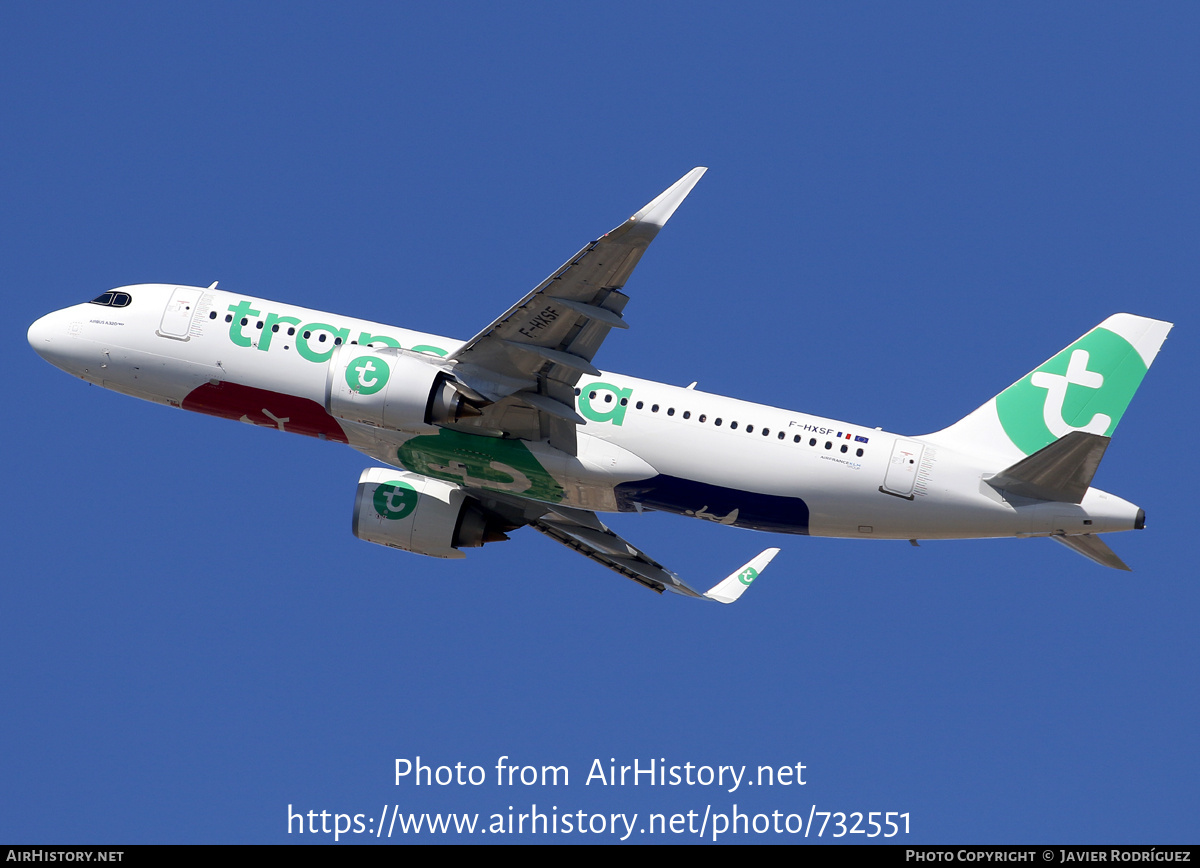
(907, 208)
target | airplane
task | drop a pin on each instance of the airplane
(516, 427)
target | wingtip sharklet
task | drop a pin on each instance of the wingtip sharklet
(733, 586)
(659, 210)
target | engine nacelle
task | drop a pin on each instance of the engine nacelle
(390, 388)
(418, 514)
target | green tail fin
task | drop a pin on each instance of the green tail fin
(1085, 387)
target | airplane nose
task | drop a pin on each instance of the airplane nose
(51, 338)
(42, 334)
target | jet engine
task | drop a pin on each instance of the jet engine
(391, 388)
(418, 514)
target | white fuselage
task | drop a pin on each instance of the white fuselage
(667, 448)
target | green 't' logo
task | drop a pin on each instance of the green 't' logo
(1086, 387)
(395, 500)
(747, 575)
(367, 375)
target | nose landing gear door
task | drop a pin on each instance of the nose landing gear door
(901, 476)
(181, 308)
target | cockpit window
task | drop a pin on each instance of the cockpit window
(113, 299)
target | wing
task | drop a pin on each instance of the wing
(582, 531)
(521, 370)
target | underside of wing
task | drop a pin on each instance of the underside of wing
(583, 532)
(520, 371)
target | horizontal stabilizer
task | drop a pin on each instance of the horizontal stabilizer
(1092, 547)
(1060, 472)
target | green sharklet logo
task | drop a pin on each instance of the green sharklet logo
(475, 461)
(367, 375)
(395, 500)
(747, 575)
(1086, 387)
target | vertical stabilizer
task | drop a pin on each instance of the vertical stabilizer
(1085, 387)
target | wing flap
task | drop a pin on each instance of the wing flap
(546, 404)
(613, 320)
